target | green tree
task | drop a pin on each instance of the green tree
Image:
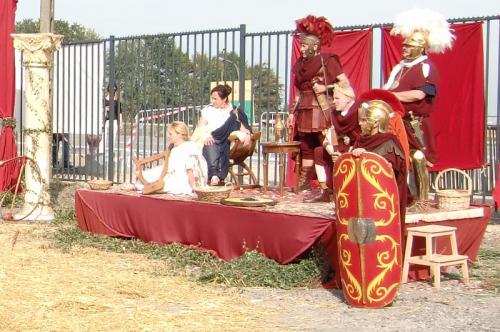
(153, 74)
(266, 89)
(73, 32)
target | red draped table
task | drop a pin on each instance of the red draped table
(226, 231)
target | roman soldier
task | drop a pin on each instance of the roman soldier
(415, 82)
(374, 117)
(315, 75)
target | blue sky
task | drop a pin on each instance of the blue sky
(134, 17)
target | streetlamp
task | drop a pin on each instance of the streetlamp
(235, 66)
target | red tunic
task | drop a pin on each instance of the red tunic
(347, 126)
(321, 68)
(413, 78)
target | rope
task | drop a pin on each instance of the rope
(9, 215)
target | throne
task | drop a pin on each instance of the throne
(238, 154)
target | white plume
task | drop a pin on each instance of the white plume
(440, 36)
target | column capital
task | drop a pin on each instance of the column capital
(37, 47)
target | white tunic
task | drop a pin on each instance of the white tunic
(215, 116)
(186, 156)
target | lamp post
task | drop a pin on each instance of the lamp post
(235, 66)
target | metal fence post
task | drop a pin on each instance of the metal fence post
(242, 65)
(111, 115)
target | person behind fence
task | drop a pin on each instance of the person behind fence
(116, 116)
(117, 110)
(374, 121)
(218, 120)
(186, 166)
(315, 73)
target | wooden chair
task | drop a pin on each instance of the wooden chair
(157, 185)
(237, 156)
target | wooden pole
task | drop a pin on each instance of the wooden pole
(47, 16)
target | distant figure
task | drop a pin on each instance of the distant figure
(116, 115)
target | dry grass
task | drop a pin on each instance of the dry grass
(86, 289)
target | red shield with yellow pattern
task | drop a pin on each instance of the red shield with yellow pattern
(368, 229)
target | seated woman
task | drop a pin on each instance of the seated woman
(186, 165)
(218, 120)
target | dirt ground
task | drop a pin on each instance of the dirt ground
(43, 288)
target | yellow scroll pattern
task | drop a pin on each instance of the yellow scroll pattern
(386, 261)
(346, 168)
(383, 201)
(351, 286)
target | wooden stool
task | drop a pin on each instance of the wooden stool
(431, 259)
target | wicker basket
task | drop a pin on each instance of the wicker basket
(98, 184)
(213, 194)
(453, 199)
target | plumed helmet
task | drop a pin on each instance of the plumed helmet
(384, 95)
(377, 111)
(314, 30)
(424, 28)
(417, 39)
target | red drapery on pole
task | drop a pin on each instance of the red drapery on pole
(458, 118)
(354, 51)
(8, 150)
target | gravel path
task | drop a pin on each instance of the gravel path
(419, 307)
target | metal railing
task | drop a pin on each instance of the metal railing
(167, 77)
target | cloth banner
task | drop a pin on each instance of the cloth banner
(458, 118)
(354, 51)
(8, 149)
(496, 190)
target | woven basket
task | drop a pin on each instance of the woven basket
(97, 184)
(453, 199)
(213, 194)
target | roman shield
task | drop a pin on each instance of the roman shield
(368, 229)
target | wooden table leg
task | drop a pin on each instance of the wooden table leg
(298, 165)
(264, 170)
(282, 172)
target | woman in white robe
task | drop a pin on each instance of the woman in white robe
(186, 165)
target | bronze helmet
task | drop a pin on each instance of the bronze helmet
(376, 111)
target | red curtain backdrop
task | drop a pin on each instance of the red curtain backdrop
(8, 149)
(354, 49)
(458, 118)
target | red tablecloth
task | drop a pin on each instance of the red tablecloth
(224, 230)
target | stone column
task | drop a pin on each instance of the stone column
(38, 50)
